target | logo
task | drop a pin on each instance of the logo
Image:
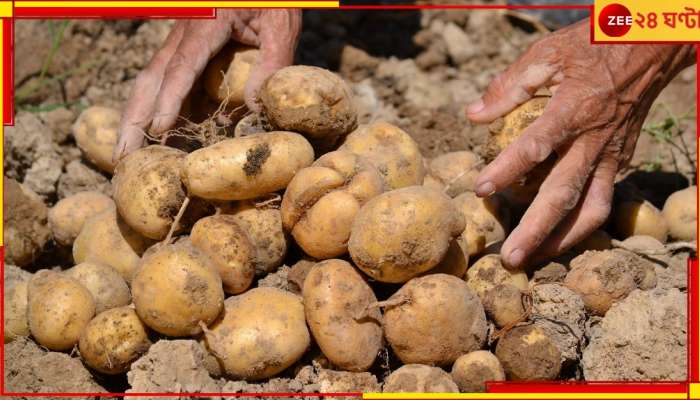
(615, 20)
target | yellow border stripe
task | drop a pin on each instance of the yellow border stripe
(524, 396)
(170, 4)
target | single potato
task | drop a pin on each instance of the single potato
(67, 217)
(488, 272)
(107, 286)
(15, 306)
(472, 370)
(227, 74)
(681, 213)
(96, 132)
(637, 217)
(487, 220)
(455, 172)
(417, 378)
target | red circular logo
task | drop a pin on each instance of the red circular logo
(615, 20)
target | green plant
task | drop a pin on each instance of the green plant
(669, 133)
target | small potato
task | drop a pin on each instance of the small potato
(504, 304)
(322, 201)
(59, 308)
(335, 295)
(262, 332)
(113, 340)
(681, 213)
(227, 74)
(528, 354)
(105, 238)
(310, 100)
(67, 217)
(96, 132)
(391, 150)
(489, 272)
(176, 288)
(108, 288)
(487, 220)
(472, 370)
(417, 378)
(402, 233)
(15, 306)
(433, 320)
(246, 167)
(640, 218)
(229, 248)
(456, 172)
(597, 240)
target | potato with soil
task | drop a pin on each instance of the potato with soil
(310, 100)
(322, 200)
(637, 217)
(402, 233)
(59, 308)
(391, 150)
(246, 167)
(528, 354)
(113, 340)
(504, 305)
(227, 74)
(96, 132)
(228, 247)
(176, 288)
(455, 172)
(26, 231)
(681, 213)
(335, 295)
(417, 378)
(262, 332)
(472, 370)
(106, 238)
(67, 217)
(487, 220)
(107, 286)
(15, 306)
(489, 272)
(433, 320)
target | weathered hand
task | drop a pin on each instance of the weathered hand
(602, 94)
(160, 89)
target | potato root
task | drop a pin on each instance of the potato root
(96, 132)
(67, 216)
(227, 73)
(107, 286)
(487, 220)
(472, 370)
(417, 378)
(681, 213)
(528, 354)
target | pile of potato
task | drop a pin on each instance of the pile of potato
(405, 255)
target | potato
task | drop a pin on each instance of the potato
(227, 74)
(489, 272)
(638, 217)
(504, 304)
(455, 172)
(487, 220)
(15, 306)
(472, 370)
(176, 288)
(108, 288)
(310, 100)
(228, 247)
(25, 228)
(113, 340)
(66, 218)
(96, 132)
(435, 319)
(416, 378)
(59, 308)
(597, 240)
(264, 228)
(335, 294)
(681, 213)
(454, 263)
(322, 201)
(391, 150)
(246, 167)
(105, 238)
(528, 354)
(148, 191)
(261, 333)
(403, 233)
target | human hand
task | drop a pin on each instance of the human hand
(601, 96)
(160, 89)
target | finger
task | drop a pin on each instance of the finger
(557, 197)
(201, 40)
(138, 112)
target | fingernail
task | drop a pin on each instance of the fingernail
(516, 258)
(485, 189)
(475, 107)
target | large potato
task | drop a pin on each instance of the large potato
(105, 238)
(113, 340)
(262, 332)
(322, 201)
(636, 217)
(435, 319)
(246, 167)
(681, 213)
(107, 286)
(66, 218)
(487, 220)
(228, 247)
(15, 306)
(400, 234)
(489, 272)
(227, 74)
(310, 100)
(392, 151)
(59, 308)
(335, 294)
(176, 288)
(96, 134)
(455, 172)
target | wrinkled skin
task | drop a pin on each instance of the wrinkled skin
(602, 94)
(160, 89)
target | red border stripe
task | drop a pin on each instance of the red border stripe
(8, 76)
(107, 13)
